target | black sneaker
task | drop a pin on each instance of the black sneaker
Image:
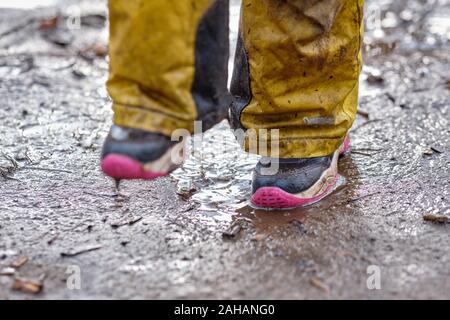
(137, 154)
(297, 182)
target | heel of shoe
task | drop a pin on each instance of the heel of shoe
(122, 167)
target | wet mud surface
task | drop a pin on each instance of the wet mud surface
(193, 235)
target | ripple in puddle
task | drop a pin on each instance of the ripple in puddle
(217, 175)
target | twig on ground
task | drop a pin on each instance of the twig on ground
(47, 169)
(364, 114)
(361, 153)
(436, 218)
(52, 239)
(130, 222)
(363, 197)
(77, 252)
(366, 123)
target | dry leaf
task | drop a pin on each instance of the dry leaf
(100, 49)
(316, 282)
(7, 272)
(233, 230)
(19, 262)
(27, 286)
(50, 23)
(436, 218)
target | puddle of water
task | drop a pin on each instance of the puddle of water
(219, 175)
(219, 180)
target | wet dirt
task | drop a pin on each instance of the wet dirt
(165, 239)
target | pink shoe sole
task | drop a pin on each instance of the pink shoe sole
(122, 167)
(276, 198)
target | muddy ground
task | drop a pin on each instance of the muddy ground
(165, 239)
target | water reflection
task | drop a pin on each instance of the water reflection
(217, 175)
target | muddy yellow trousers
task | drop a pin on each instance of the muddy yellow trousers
(296, 69)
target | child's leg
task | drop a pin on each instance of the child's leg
(297, 70)
(168, 63)
(168, 68)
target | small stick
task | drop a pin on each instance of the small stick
(364, 114)
(48, 169)
(366, 123)
(80, 251)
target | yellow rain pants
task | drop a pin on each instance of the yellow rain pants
(296, 70)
